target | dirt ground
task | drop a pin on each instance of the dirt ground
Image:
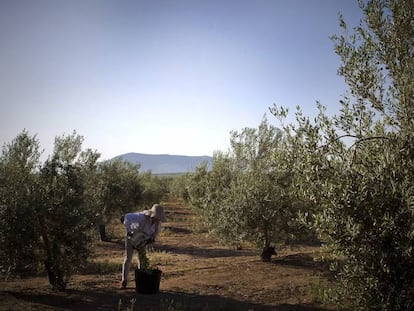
(198, 274)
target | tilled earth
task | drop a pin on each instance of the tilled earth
(198, 274)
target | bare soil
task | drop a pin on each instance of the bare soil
(198, 274)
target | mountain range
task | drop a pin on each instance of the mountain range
(165, 163)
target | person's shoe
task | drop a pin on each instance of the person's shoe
(123, 284)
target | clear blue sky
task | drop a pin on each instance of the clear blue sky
(163, 76)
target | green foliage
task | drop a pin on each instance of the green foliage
(178, 186)
(120, 189)
(246, 196)
(46, 216)
(209, 192)
(357, 167)
(64, 217)
(154, 189)
(18, 237)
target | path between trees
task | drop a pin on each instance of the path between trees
(198, 274)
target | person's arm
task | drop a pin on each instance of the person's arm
(157, 231)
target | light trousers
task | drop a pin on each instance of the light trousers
(129, 252)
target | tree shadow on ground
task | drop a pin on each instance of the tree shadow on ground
(185, 250)
(109, 244)
(300, 260)
(102, 300)
(205, 252)
(173, 213)
(177, 230)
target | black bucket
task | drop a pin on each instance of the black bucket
(147, 282)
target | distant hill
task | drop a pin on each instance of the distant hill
(165, 163)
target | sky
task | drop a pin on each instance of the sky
(163, 76)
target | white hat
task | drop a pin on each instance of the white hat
(156, 211)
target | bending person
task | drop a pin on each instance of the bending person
(141, 229)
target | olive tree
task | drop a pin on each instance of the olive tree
(19, 243)
(262, 182)
(178, 186)
(246, 195)
(154, 188)
(120, 190)
(358, 165)
(208, 191)
(47, 211)
(64, 214)
(197, 186)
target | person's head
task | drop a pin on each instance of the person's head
(156, 212)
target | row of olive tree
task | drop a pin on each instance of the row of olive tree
(350, 176)
(49, 212)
